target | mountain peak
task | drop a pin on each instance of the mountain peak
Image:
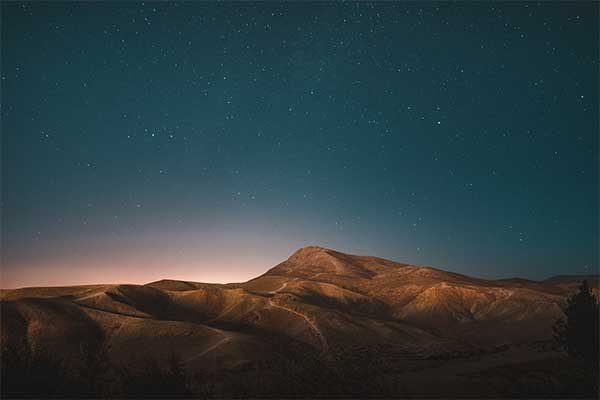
(308, 250)
(312, 261)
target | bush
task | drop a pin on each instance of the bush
(579, 334)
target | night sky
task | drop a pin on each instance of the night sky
(208, 141)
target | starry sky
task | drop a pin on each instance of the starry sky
(208, 141)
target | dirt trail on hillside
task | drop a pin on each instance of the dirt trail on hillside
(311, 324)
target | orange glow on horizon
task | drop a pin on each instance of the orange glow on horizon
(134, 273)
(198, 257)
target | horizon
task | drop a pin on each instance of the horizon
(183, 279)
(210, 140)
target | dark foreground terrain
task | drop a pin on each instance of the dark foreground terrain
(320, 324)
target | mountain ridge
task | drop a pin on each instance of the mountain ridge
(318, 306)
(313, 252)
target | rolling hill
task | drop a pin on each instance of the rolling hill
(309, 326)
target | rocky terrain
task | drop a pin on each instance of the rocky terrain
(320, 324)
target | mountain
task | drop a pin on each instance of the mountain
(310, 326)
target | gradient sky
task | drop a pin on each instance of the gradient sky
(208, 141)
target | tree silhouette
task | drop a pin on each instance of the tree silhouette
(579, 333)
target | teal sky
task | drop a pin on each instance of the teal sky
(208, 141)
